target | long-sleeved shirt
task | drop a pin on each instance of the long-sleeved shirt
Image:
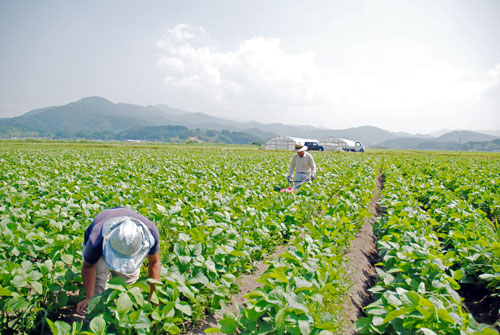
(304, 164)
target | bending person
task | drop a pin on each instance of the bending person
(118, 239)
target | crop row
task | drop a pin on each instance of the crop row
(423, 257)
(216, 211)
(305, 288)
(463, 227)
(475, 181)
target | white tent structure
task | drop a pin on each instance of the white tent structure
(333, 143)
(285, 142)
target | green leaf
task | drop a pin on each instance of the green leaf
(19, 281)
(124, 303)
(237, 253)
(302, 285)
(59, 327)
(396, 313)
(98, 325)
(280, 274)
(444, 315)
(252, 315)
(488, 276)
(141, 321)
(376, 311)
(184, 259)
(212, 330)
(62, 299)
(217, 231)
(255, 295)
(228, 326)
(426, 308)
(386, 277)
(117, 283)
(137, 293)
(362, 325)
(305, 327)
(377, 321)
(439, 263)
(199, 278)
(172, 329)
(392, 299)
(5, 292)
(186, 291)
(183, 307)
(421, 288)
(35, 276)
(67, 258)
(414, 297)
(488, 331)
(37, 287)
(280, 321)
(17, 303)
(95, 303)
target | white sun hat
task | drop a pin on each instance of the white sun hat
(299, 147)
(126, 242)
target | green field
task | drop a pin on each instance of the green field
(218, 215)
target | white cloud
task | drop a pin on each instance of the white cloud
(258, 68)
(494, 74)
(258, 76)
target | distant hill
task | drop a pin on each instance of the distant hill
(99, 118)
(180, 134)
(96, 116)
(455, 140)
(464, 136)
(491, 132)
(88, 114)
(482, 146)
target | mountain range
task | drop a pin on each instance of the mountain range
(99, 118)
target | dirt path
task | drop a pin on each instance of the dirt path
(247, 283)
(363, 255)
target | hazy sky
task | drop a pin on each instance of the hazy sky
(415, 66)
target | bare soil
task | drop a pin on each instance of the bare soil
(363, 255)
(483, 306)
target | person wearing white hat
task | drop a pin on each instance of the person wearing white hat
(304, 165)
(118, 239)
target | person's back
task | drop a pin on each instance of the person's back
(118, 239)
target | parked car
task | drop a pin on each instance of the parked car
(314, 146)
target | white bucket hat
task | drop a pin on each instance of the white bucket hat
(126, 242)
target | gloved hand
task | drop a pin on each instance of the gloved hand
(312, 177)
(289, 179)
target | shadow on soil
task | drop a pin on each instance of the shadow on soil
(480, 302)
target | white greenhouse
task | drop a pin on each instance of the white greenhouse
(285, 143)
(333, 143)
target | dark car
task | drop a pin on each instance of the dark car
(314, 146)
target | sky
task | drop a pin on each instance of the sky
(411, 66)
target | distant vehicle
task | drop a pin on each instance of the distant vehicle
(354, 147)
(314, 146)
